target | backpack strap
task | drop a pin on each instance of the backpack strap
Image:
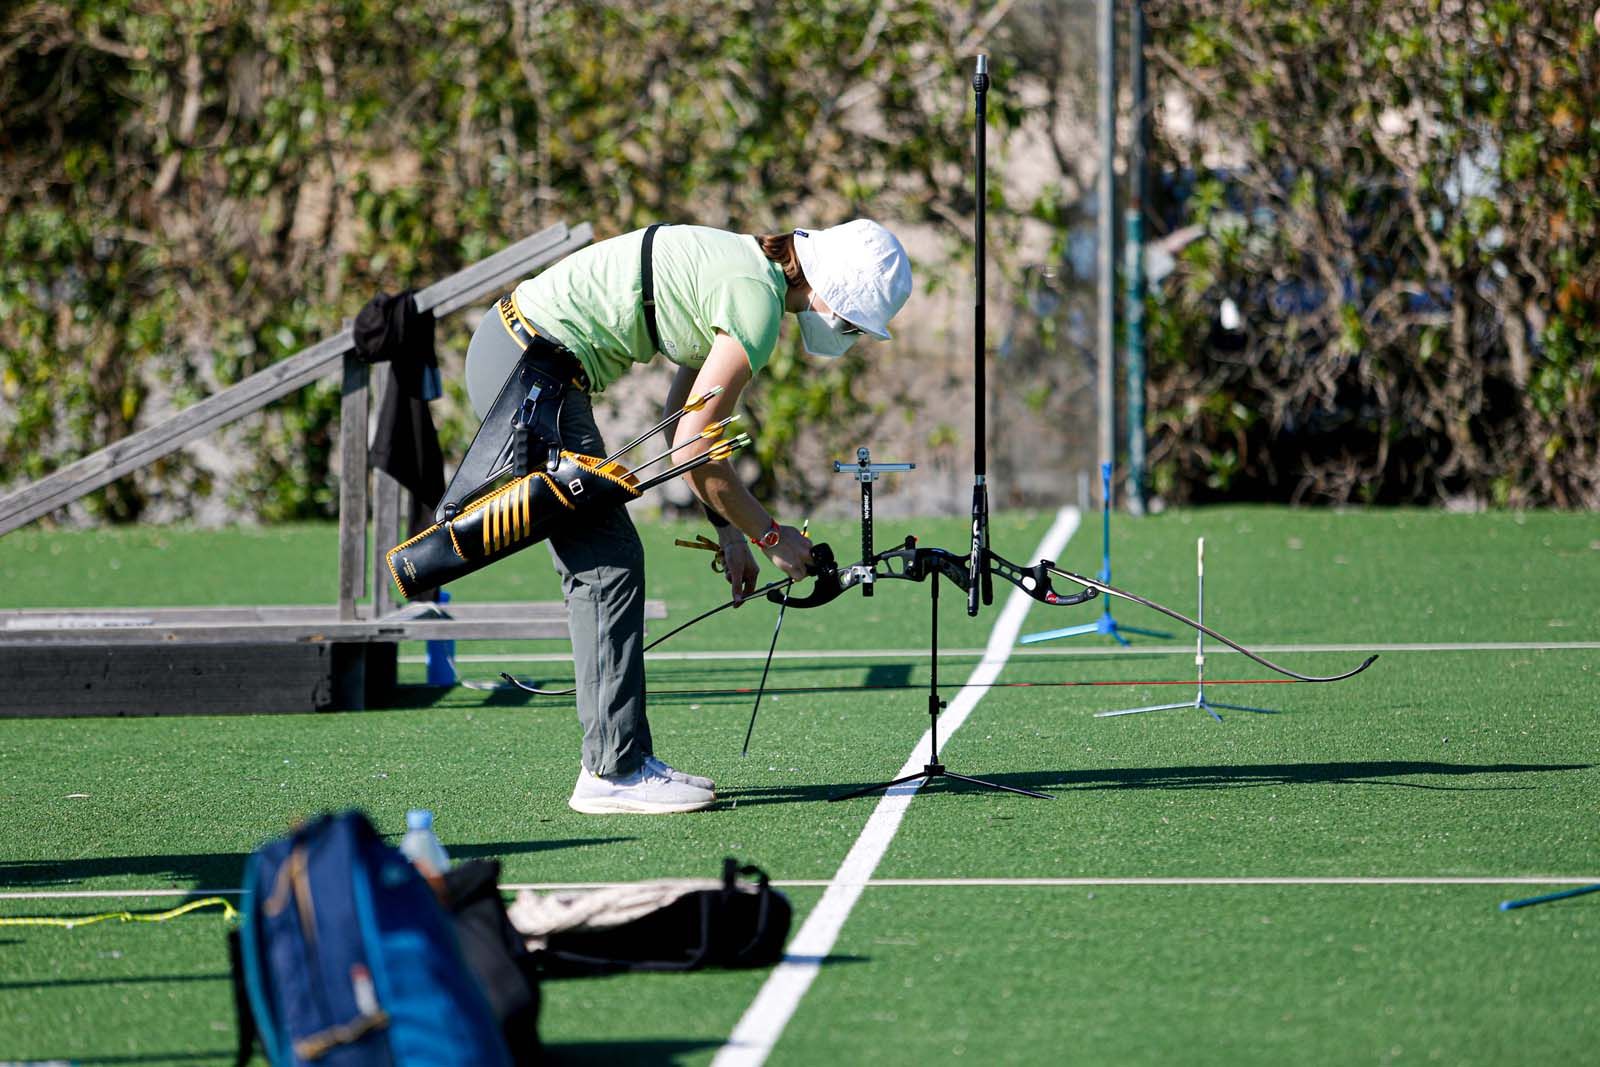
(243, 1016)
(647, 287)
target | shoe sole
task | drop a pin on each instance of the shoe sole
(623, 806)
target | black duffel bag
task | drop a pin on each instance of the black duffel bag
(669, 925)
(496, 954)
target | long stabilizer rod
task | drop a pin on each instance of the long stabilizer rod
(977, 561)
(805, 531)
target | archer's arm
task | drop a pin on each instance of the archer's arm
(715, 483)
(677, 396)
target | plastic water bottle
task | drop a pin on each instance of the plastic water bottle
(442, 656)
(421, 846)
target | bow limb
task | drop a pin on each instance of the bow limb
(769, 589)
(1110, 590)
(827, 589)
(1035, 581)
(526, 688)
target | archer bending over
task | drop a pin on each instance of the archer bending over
(712, 303)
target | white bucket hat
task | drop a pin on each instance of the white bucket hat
(859, 269)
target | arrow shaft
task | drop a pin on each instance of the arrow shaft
(720, 451)
(694, 405)
(710, 433)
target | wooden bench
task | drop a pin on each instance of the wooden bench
(235, 660)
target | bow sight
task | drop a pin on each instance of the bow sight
(912, 563)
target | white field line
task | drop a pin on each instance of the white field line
(923, 883)
(1063, 651)
(764, 1020)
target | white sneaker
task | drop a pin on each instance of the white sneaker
(676, 775)
(644, 792)
(660, 767)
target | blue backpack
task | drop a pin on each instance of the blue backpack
(348, 960)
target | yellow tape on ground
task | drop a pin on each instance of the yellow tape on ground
(228, 912)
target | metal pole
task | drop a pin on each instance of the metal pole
(1107, 378)
(1134, 218)
(977, 561)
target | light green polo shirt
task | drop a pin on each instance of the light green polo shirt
(705, 280)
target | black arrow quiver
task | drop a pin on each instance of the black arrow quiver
(520, 513)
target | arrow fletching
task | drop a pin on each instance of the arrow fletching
(702, 400)
(724, 449)
(715, 429)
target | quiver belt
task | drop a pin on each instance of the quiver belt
(518, 514)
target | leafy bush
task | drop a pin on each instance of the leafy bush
(190, 192)
(1401, 199)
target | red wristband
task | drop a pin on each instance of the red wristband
(770, 538)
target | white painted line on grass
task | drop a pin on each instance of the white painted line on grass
(1063, 651)
(1042, 883)
(764, 1021)
(922, 883)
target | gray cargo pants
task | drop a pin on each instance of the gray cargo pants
(602, 578)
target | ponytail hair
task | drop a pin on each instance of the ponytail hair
(779, 247)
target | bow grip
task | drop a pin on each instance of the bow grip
(826, 571)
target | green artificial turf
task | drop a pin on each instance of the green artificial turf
(1203, 974)
(1432, 763)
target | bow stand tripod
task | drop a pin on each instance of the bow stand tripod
(911, 561)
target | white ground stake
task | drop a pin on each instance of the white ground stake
(1199, 700)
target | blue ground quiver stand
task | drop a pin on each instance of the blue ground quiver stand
(1105, 624)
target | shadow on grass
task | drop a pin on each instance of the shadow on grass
(580, 975)
(647, 1051)
(214, 1056)
(1365, 772)
(142, 979)
(415, 697)
(226, 869)
(1369, 772)
(825, 961)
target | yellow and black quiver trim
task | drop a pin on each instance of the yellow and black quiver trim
(518, 514)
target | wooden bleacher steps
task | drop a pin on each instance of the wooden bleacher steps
(214, 660)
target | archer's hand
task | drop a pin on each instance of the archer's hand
(792, 553)
(740, 562)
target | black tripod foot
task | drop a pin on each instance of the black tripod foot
(937, 770)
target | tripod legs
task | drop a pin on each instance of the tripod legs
(1105, 624)
(937, 770)
(1199, 703)
(933, 768)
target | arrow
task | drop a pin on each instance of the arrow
(694, 405)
